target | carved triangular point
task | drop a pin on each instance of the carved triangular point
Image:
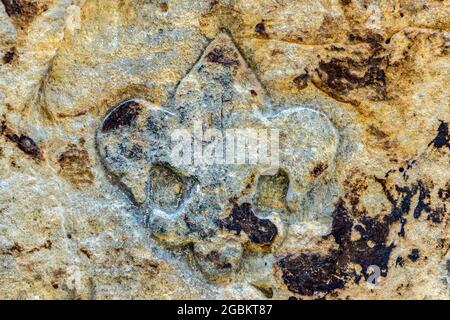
(223, 58)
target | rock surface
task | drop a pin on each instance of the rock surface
(94, 206)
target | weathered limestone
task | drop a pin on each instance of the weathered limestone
(96, 95)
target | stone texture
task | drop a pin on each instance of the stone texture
(93, 207)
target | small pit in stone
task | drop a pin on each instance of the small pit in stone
(272, 191)
(166, 188)
(266, 290)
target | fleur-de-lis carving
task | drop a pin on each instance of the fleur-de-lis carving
(217, 208)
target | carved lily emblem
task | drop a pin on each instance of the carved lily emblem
(237, 202)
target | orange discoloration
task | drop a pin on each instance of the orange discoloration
(75, 166)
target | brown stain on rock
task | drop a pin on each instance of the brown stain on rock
(301, 81)
(260, 28)
(401, 198)
(124, 115)
(24, 12)
(27, 145)
(444, 193)
(357, 72)
(442, 138)
(319, 169)
(75, 166)
(46, 245)
(86, 252)
(342, 75)
(242, 219)
(215, 258)
(14, 249)
(307, 274)
(311, 273)
(22, 141)
(377, 132)
(414, 255)
(10, 55)
(223, 55)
